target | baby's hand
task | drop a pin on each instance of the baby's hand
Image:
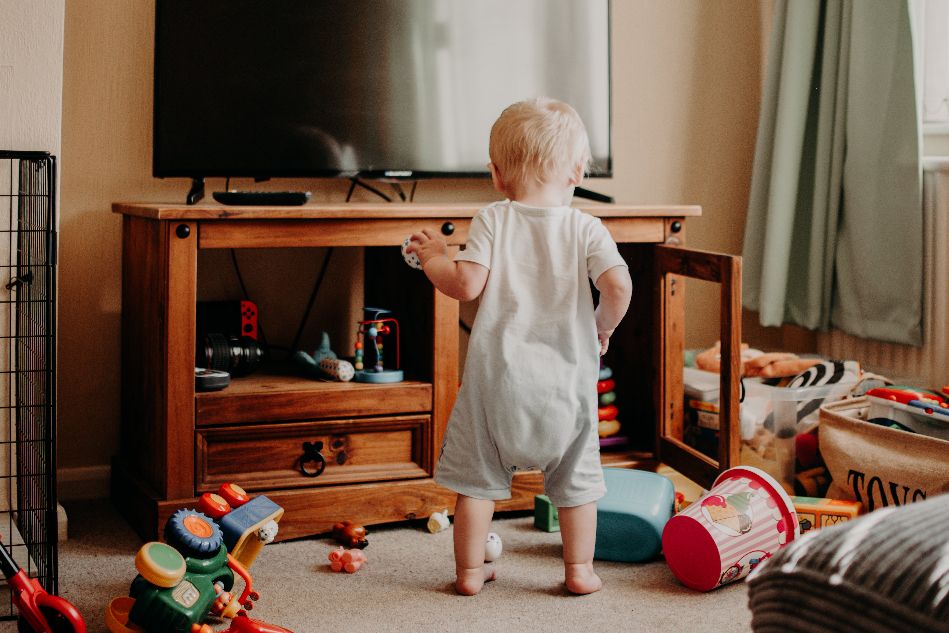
(427, 245)
(604, 338)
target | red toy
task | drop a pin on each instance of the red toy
(242, 624)
(348, 560)
(350, 534)
(39, 611)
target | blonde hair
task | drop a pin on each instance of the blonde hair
(538, 139)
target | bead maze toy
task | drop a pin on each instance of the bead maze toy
(373, 329)
(38, 611)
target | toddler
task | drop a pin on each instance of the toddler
(528, 399)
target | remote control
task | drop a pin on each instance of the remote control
(262, 198)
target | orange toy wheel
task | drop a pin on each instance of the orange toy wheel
(213, 505)
(233, 494)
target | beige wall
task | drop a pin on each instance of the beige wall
(686, 80)
(31, 87)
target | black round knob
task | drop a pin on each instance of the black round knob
(448, 228)
(183, 231)
(676, 226)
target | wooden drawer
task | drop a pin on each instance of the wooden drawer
(267, 456)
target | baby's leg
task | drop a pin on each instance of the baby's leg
(578, 531)
(472, 522)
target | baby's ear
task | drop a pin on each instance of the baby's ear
(576, 176)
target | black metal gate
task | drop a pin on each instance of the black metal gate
(28, 509)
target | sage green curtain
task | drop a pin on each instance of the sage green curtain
(833, 235)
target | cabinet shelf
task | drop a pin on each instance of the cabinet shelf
(380, 441)
(274, 394)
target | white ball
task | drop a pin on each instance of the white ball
(410, 258)
(492, 548)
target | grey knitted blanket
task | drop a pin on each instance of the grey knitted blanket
(886, 572)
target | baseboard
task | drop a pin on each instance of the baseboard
(83, 483)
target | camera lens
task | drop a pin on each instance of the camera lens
(238, 356)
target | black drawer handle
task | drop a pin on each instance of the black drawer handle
(312, 455)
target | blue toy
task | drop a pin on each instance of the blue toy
(631, 516)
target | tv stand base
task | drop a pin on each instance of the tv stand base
(588, 194)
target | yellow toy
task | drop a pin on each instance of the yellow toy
(814, 513)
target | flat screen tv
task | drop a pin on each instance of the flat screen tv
(368, 88)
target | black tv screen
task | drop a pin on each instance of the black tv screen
(374, 88)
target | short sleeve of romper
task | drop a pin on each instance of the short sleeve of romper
(602, 253)
(478, 245)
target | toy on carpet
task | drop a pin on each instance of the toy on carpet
(545, 514)
(741, 521)
(175, 592)
(632, 515)
(324, 363)
(492, 548)
(814, 513)
(188, 578)
(350, 534)
(372, 330)
(348, 560)
(438, 521)
(247, 524)
(243, 624)
(37, 610)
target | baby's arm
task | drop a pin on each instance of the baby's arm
(616, 289)
(459, 280)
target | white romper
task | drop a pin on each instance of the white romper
(528, 395)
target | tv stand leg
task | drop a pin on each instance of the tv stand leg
(196, 192)
(580, 192)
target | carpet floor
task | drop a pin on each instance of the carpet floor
(406, 585)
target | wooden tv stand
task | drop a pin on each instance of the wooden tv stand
(380, 441)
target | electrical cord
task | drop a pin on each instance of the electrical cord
(313, 293)
(246, 295)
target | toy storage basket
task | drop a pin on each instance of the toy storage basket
(28, 516)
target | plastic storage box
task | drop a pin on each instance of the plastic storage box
(773, 417)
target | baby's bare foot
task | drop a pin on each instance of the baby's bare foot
(469, 581)
(581, 579)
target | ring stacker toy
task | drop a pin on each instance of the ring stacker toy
(38, 610)
(373, 329)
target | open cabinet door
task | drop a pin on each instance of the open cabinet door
(673, 265)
